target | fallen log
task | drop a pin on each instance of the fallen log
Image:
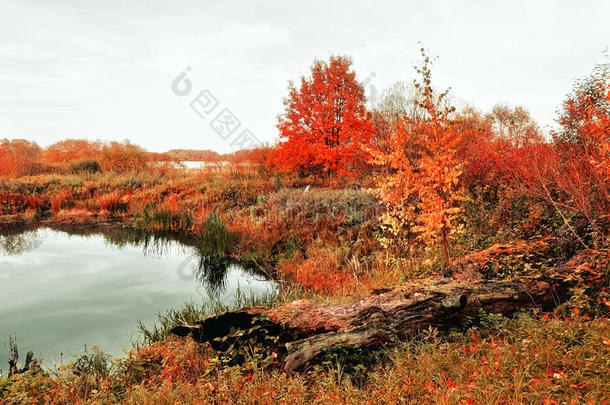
(306, 330)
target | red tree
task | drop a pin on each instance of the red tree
(325, 125)
(573, 173)
(71, 149)
(18, 157)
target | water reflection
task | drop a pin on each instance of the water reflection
(64, 287)
(210, 273)
(17, 243)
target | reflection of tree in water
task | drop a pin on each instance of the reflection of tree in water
(16, 243)
(159, 244)
(20, 239)
(211, 273)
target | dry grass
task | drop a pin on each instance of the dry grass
(524, 360)
(323, 244)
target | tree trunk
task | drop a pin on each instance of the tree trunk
(306, 330)
(446, 250)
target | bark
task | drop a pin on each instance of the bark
(306, 330)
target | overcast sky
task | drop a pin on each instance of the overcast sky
(103, 69)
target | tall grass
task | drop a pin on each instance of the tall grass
(214, 237)
(161, 217)
(190, 312)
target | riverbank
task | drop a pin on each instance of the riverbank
(270, 220)
(66, 287)
(325, 243)
(530, 358)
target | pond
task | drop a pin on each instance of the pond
(61, 290)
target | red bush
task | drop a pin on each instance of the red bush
(13, 203)
(18, 157)
(115, 201)
(57, 200)
(71, 149)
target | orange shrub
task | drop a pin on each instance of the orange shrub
(18, 157)
(421, 188)
(12, 203)
(123, 157)
(71, 149)
(261, 238)
(321, 271)
(115, 201)
(58, 199)
(169, 361)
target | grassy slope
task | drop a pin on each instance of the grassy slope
(324, 244)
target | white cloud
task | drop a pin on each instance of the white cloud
(102, 69)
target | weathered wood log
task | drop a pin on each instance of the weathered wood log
(306, 330)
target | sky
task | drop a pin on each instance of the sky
(109, 70)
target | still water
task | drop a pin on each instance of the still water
(60, 291)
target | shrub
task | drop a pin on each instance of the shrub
(57, 200)
(18, 157)
(123, 157)
(115, 201)
(71, 150)
(85, 166)
(13, 203)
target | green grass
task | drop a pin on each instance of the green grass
(190, 312)
(214, 238)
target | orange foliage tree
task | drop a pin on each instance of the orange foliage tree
(18, 157)
(573, 172)
(71, 149)
(495, 147)
(123, 157)
(585, 120)
(421, 187)
(325, 125)
(582, 146)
